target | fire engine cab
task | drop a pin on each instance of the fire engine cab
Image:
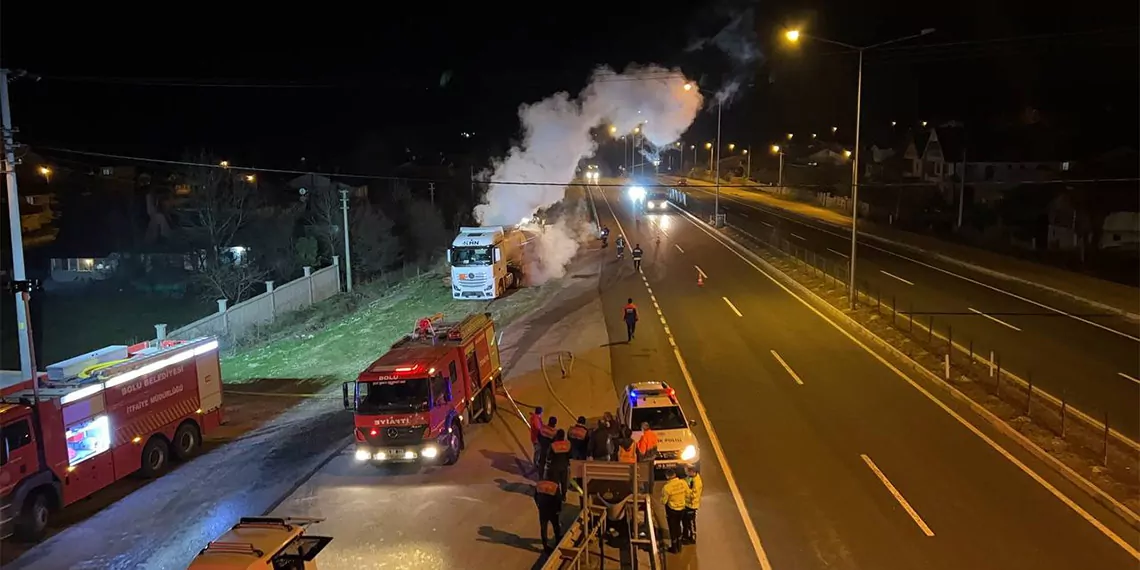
(413, 403)
(96, 418)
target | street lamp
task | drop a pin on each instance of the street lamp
(748, 168)
(780, 181)
(613, 130)
(224, 164)
(250, 178)
(793, 36)
(45, 172)
(731, 146)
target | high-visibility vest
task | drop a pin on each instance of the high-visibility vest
(547, 487)
(560, 446)
(647, 441)
(627, 455)
(637, 253)
(547, 432)
(630, 312)
(577, 432)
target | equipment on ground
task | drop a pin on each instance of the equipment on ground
(262, 543)
(486, 261)
(96, 418)
(413, 403)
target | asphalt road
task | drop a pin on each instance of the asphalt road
(1094, 366)
(826, 443)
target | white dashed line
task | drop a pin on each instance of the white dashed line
(843, 255)
(898, 496)
(701, 272)
(893, 276)
(767, 224)
(742, 214)
(994, 319)
(799, 237)
(733, 307)
(1128, 377)
(791, 372)
(679, 248)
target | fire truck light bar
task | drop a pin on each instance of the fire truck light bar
(139, 372)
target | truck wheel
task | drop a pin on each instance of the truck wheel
(488, 405)
(187, 441)
(155, 457)
(33, 520)
(454, 445)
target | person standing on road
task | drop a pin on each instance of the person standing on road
(693, 502)
(599, 447)
(558, 465)
(579, 436)
(647, 443)
(625, 450)
(545, 437)
(535, 422)
(549, 508)
(673, 496)
(637, 257)
(629, 313)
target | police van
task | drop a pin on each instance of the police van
(656, 403)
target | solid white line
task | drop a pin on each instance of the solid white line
(994, 319)
(791, 372)
(898, 496)
(1080, 511)
(799, 237)
(733, 307)
(733, 488)
(679, 248)
(843, 255)
(701, 272)
(893, 275)
(936, 268)
(767, 224)
(1128, 377)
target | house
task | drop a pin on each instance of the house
(1103, 216)
(38, 213)
(73, 270)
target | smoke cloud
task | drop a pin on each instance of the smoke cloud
(557, 136)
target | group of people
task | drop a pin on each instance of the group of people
(636, 253)
(607, 441)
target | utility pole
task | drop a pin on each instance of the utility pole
(961, 189)
(716, 211)
(431, 189)
(347, 247)
(14, 226)
(472, 184)
(748, 169)
(851, 292)
(780, 183)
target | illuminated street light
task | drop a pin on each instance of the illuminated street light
(613, 129)
(924, 123)
(731, 146)
(224, 164)
(846, 153)
(708, 145)
(790, 135)
(636, 130)
(792, 35)
(745, 151)
(833, 129)
(893, 123)
(250, 178)
(775, 149)
(45, 171)
(813, 135)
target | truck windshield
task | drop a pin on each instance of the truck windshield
(658, 197)
(470, 256)
(669, 417)
(405, 396)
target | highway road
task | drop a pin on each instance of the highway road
(1090, 359)
(838, 460)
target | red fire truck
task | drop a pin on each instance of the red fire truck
(413, 403)
(98, 418)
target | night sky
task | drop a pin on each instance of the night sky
(351, 89)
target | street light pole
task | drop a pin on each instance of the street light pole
(16, 230)
(347, 247)
(716, 209)
(780, 181)
(748, 168)
(851, 293)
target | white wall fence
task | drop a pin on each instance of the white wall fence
(234, 322)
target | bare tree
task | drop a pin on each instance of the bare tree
(219, 206)
(375, 248)
(325, 218)
(272, 235)
(428, 233)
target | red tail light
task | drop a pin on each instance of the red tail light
(373, 432)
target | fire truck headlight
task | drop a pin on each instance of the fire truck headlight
(689, 453)
(409, 455)
(363, 455)
(430, 452)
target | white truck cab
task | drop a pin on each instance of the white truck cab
(486, 261)
(656, 403)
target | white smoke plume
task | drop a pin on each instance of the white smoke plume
(557, 136)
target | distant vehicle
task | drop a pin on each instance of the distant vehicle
(413, 403)
(657, 202)
(261, 543)
(487, 261)
(656, 403)
(682, 182)
(99, 417)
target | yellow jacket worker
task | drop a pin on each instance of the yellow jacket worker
(674, 495)
(692, 503)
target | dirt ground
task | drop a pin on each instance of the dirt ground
(246, 407)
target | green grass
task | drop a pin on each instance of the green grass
(335, 339)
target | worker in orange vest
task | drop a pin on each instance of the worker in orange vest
(629, 314)
(647, 443)
(624, 447)
(579, 435)
(535, 422)
(549, 504)
(545, 438)
(558, 464)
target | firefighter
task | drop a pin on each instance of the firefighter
(673, 496)
(558, 464)
(637, 257)
(599, 446)
(579, 436)
(545, 437)
(647, 443)
(696, 488)
(629, 313)
(625, 450)
(549, 508)
(620, 243)
(605, 236)
(535, 422)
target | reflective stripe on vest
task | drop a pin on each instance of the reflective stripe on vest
(577, 432)
(560, 446)
(547, 432)
(627, 455)
(547, 487)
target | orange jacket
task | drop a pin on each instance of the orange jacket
(629, 312)
(648, 441)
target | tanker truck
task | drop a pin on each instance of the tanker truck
(487, 260)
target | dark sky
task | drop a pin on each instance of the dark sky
(368, 81)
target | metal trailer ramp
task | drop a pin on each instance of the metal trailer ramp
(615, 524)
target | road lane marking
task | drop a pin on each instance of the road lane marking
(701, 272)
(791, 372)
(678, 248)
(936, 268)
(1080, 511)
(994, 319)
(733, 488)
(843, 255)
(799, 237)
(893, 275)
(1128, 377)
(898, 496)
(767, 224)
(733, 307)
(742, 214)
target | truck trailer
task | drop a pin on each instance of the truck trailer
(97, 418)
(486, 261)
(413, 403)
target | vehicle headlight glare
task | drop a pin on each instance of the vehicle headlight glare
(689, 453)
(430, 452)
(363, 455)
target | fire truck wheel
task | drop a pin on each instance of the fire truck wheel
(34, 517)
(187, 441)
(155, 457)
(488, 405)
(454, 445)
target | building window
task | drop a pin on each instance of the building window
(107, 170)
(86, 265)
(1065, 166)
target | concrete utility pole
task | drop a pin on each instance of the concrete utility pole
(961, 189)
(716, 211)
(431, 189)
(347, 247)
(13, 196)
(472, 184)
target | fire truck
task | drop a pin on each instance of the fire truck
(260, 543)
(96, 418)
(413, 403)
